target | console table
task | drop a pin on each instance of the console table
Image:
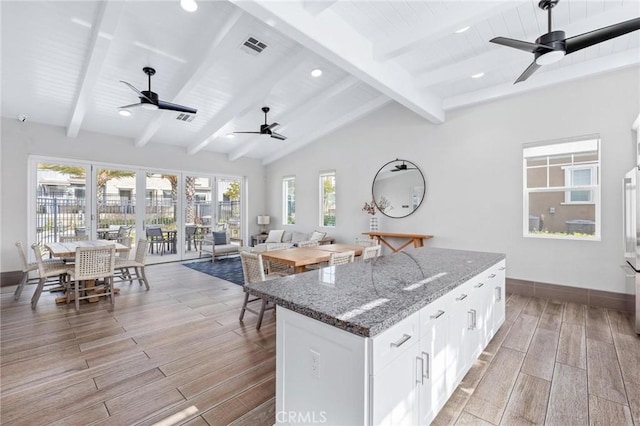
(416, 239)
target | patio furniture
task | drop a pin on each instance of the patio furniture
(46, 270)
(124, 266)
(92, 264)
(123, 231)
(371, 252)
(253, 270)
(220, 244)
(190, 236)
(157, 240)
(29, 267)
(341, 258)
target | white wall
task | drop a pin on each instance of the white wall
(473, 167)
(19, 140)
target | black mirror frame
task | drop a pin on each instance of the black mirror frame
(424, 187)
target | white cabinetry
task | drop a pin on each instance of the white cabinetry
(402, 376)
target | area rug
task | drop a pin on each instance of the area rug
(227, 268)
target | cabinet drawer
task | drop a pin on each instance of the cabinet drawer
(435, 313)
(393, 342)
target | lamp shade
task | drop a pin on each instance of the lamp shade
(263, 220)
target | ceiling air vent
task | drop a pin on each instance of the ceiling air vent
(185, 117)
(253, 46)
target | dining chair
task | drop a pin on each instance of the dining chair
(92, 264)
(124, 266)
(190, 236)
(367, 242)
(371, 252)
(28, 267)
(46, 270)
(72, 238)
(253, 271)
(277, 267)
(157, 241)
(341, 258)
(309, 243)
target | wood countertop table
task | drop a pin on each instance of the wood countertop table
(416, 239)
(300, 257)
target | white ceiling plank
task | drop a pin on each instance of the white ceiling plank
(195, 71)
(330, 37)
(315, 7)
(103, 32)
(543, 79)
(408, 41)
(259, 89)
(303, 108)
(329, 127)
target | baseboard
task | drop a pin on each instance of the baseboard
(10, 278)
(584, 296)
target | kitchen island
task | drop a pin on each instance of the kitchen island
(385, 341)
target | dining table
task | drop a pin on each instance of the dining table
(68, 250)
(301, 257)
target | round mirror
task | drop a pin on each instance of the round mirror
(398, 188)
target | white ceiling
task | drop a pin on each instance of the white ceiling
(62, 63)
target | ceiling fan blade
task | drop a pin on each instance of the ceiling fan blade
(253, 133)
(278, 136)
(581, 41)
(518, 44)
(131, 106)
(271, 126)
(175, 107)
(527, 73)
(137, 91)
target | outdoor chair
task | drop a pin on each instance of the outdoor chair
(309, 243)
(367, 242)
(157, 241)
(123, 231)
(341, 258)
(277, 267)
(92, 264)
(29, 267)
(124, 265)
(253, 271)
(46, 270)
(190, 232)
(371, 252)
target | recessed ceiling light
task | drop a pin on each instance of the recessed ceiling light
(461, 30)
(231, 135)
(316, 72)
(480, 74)
(124, 112)
(189, 5)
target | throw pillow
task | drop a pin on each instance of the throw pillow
(298, 236)
(286, 237)
(317, 235)
(275, 236)
(219, 238)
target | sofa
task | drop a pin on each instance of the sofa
(219, 244)
(277, 237)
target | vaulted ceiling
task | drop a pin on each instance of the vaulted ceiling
(62, 63)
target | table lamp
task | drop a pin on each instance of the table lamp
(263, 220)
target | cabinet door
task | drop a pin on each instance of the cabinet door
(497, 287)
(433, 334)
(395, 390)
(461, 339)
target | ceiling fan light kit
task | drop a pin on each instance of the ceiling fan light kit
(551, 47)
(189, 5)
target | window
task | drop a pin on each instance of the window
(289, 201)
(562, 189)
(328, 199)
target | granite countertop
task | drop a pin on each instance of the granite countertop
(366, 298)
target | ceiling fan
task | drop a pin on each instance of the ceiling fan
(266, 129)
(149, 100)
(553, 46)
(401, 167)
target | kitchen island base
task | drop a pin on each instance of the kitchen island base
(401, 376)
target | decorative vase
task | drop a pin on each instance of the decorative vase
(373, 223)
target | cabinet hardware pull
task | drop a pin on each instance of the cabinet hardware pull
(400, 342)
(498, 294)
(420, 378)
(502, 268)
(462, 297)
(475, 318)
(492, 276)
(470, 319)
(478, 285)
(427, 365)
(437, 315)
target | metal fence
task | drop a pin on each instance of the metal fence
(62, 214)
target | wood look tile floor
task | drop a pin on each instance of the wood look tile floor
(178, 352)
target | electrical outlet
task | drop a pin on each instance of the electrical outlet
(315, 364)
